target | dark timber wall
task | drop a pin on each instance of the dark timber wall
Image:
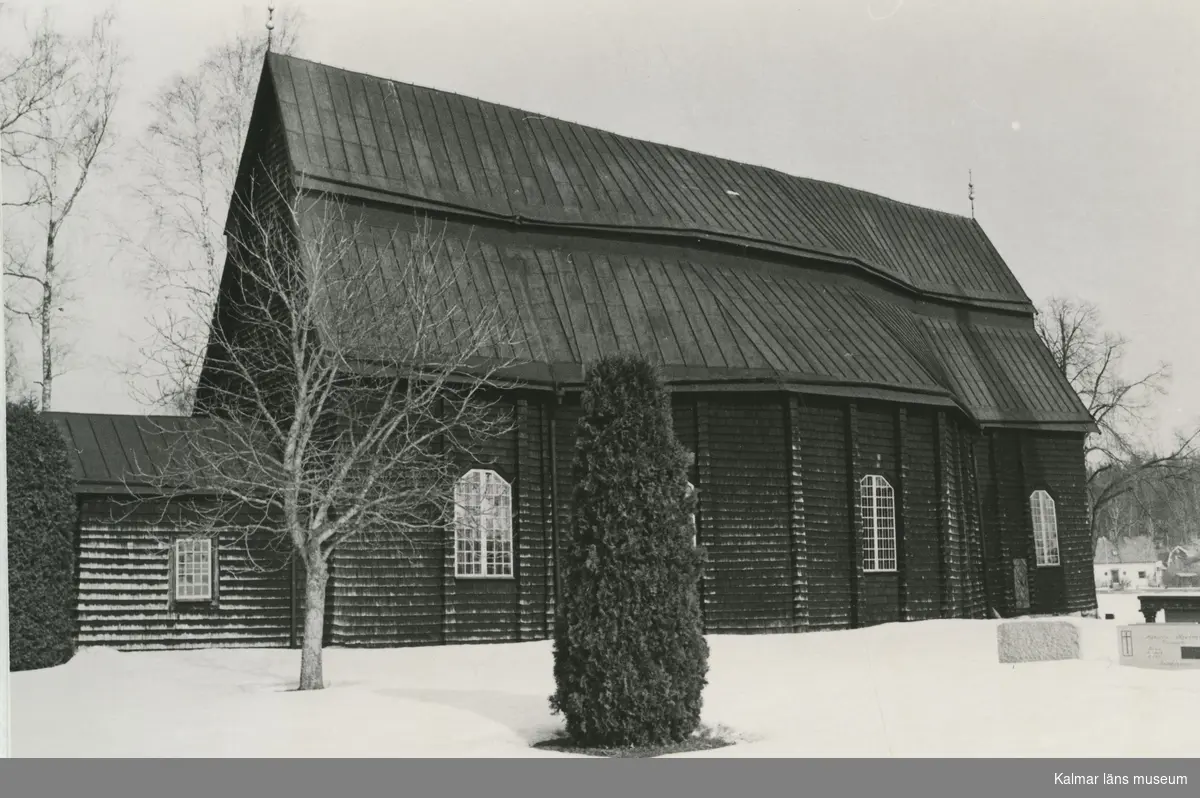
(1019, 463)
(124, 592)
(388, 591)
(922, 550)
(878, 594)
(778, 485)
(831, 567)
(747, 531)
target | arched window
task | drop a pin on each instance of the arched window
(691, 491)
(483, 543)
(878, 509)
(1045, 527)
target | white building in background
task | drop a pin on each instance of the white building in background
(1127, 568)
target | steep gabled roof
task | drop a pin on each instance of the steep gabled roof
(723, 273)
(403, 141)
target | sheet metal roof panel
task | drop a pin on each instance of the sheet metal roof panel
(342, 126)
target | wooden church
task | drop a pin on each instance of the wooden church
(878, 433)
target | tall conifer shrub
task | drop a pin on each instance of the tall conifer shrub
(630, 659)
(41, 547)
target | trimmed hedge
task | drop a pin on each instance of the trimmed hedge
(630, 659)
(41, 551)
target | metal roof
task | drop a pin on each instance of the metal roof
(710, 317)
(833, 290)
(123, 454)
(407, 141)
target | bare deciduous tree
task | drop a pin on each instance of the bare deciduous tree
(188, 160)
(1121, 463)
(343, 382)
(56, 147)
(32, 73)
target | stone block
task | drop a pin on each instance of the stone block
(1037, 641)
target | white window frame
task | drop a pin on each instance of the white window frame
(1044, 517)
(877, 509)
(193, 557)
(483, 528)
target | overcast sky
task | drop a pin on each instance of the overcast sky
(1079, 118)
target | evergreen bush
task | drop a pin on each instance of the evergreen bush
(41, 551)
(630, 658)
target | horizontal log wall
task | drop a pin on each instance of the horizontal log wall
(797, 517)
(777, 480)
(1012, 519)
(487, 610)
(747, 518)
(533, 571)
(399, 590)
(385, 589)
(124, 600)
(822, 430)
(976, 601)
(879, 592)
(999, 588)
(1055, 463)
(951, 528)
(922, 527)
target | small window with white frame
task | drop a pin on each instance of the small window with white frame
(483, 539)
(1045, 528)
(877, 506)
(193, 569)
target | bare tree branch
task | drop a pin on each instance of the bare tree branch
(187, 163)
(1121, 464)
(343, 388)
(56, 141)
(32, 76)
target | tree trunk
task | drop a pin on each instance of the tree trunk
(311, 676)
(47, 320)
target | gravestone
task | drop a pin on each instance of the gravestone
(1037, 641)
(1160, 645)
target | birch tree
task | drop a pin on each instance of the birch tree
(1121, 462)
(345, 385)
(56, 145)
(187, 160)
(33, 71)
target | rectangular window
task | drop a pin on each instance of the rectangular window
(193, 569)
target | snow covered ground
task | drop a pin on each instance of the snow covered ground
(920, 689)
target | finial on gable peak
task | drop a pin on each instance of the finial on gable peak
(971, 191)
(270, 24)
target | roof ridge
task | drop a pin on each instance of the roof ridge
(667, 145)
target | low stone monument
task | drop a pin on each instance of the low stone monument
(1037, 641)
(1160, 645)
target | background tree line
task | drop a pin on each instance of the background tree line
(1137, 487)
